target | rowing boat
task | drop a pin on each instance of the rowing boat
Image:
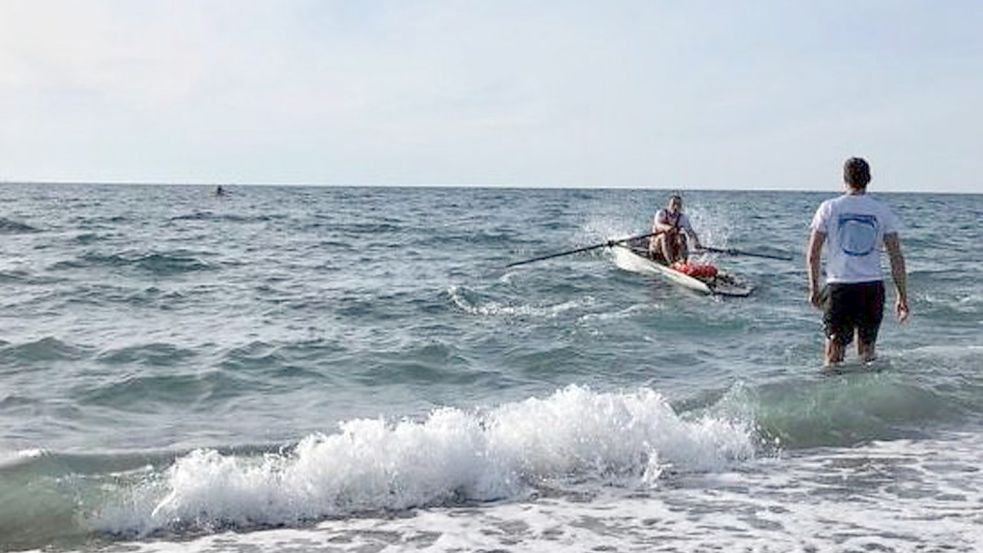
(638, 261)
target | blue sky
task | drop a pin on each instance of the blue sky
(661, 94)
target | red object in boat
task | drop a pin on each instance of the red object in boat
(699, 270)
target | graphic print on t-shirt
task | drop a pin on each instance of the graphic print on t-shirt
(857, 233)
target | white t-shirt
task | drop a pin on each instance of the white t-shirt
(663, 217)
(855, 226)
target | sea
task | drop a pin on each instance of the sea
(347, 369)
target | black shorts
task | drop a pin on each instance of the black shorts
(854, 305)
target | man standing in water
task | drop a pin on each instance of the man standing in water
(853, 226)
(673, 226)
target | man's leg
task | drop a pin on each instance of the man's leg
(838, 322)
(866, 351)
(656, 247)
(835, 351)
(667, 248)
(870, 320)
(682, 248)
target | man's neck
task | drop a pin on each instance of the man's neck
(855, 191)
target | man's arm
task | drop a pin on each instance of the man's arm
(696, 239)
(813, 258)
(660, 226)
(899, 273)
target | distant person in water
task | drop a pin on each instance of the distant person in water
(673, 226)
(219, 191)
(853, 227)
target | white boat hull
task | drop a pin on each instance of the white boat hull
(723, 284)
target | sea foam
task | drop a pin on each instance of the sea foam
(468, 302)
(452, 456)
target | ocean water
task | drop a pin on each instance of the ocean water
(353, 369)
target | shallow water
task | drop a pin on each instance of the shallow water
(347, 368)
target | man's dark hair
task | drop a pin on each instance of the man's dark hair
(856, 172)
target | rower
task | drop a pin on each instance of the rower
(672, 225)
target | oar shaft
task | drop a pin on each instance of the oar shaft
(607, 244)
(552, 255)
(731, 251)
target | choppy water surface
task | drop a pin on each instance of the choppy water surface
(353, 369)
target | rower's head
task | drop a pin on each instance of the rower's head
(675, 204)
(856, 173)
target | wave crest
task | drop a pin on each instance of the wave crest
(471, 303)
(450, 457)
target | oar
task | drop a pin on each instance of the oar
(731, 251)
(607, 244)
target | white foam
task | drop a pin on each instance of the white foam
(886, 496)
(453, 455)
(497, 309)
(971, 299)
(14, 458)
(968, 303)
(625, 313)
(933, 349)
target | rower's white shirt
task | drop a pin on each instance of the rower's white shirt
(663, 217)
(855, 226)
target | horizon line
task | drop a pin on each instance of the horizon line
(457, 185)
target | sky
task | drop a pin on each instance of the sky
(642, 94)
